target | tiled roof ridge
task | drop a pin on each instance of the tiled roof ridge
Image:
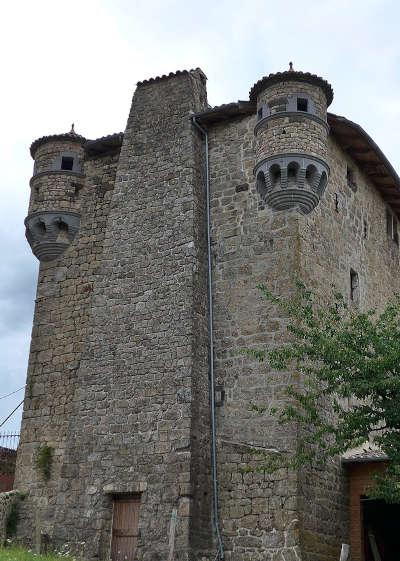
(293, 76)
(104, 145)
(113, 135)
(54, 137)
(171, 75)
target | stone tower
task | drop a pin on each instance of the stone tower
(54, 208)
(291, 139)
(135, 359)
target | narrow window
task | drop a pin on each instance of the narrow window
(365, 229)
(260, 113)
(351, 180)
(302, 104)
(261, 185)
(292, 174)
(395, 231)
(392, 227)
(41, 228)
(275, 174)
(389, 224)
(354, 287)
(62, 226)
(67, 163)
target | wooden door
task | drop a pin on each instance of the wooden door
(125, 528)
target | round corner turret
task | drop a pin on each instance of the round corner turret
(54, 207)
(291, 139)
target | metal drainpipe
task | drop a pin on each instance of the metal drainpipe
(216, 522)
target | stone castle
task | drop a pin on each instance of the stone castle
(151, 245)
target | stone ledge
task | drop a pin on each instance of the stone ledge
(262, 122)
(125, 488)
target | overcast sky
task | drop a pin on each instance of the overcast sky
(78, 61)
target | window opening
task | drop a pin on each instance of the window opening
(351, 180)
(354, 286)
(322, 183)
(261, 184)
(278, 105)
(302, 104)
(260, 113)
(292, 173)
(62, 226)
(392, 226)
(365, 229)
(41, 228)
(67, 163)
(338, 203)
(275, 174)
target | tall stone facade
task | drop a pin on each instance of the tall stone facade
(118, 389)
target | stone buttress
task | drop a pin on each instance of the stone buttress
(138, 422)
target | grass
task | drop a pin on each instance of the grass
(14, 553)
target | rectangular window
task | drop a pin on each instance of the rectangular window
(67, 163)
(354, 287)
(365, 229)
(125, 527)
(351, 179)
(302, 104)
(392, 226)
(260, 113)
(277, 105)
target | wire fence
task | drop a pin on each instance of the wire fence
(9, 440)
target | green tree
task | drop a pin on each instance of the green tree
(346, 366)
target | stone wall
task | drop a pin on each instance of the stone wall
(63, 302)
(139, 419)
(346, 231)
(251, 245)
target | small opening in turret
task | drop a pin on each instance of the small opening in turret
(67, 163)
(302, 104)
(292, 174)
(322, 183)
(311, 175)
(275, 174)
(261, 185)
(40, 228)
(260, 113)
(63, 226)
